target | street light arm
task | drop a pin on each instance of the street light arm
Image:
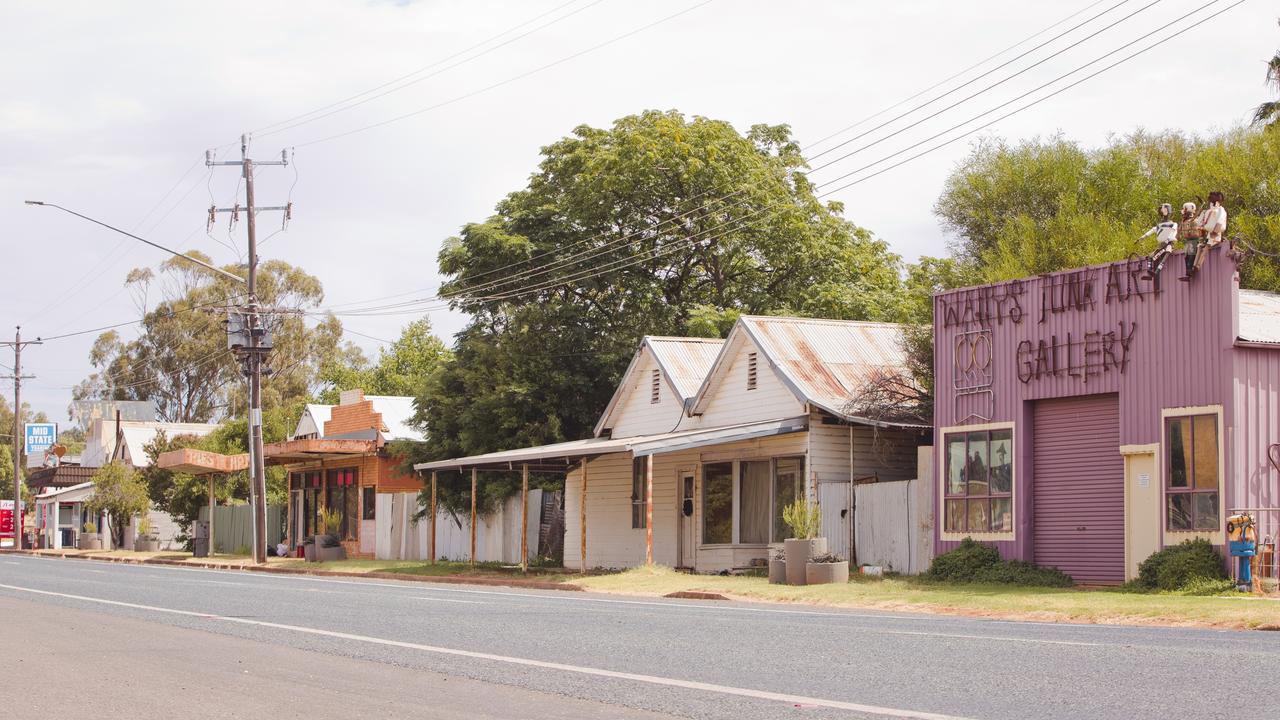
(201, 263)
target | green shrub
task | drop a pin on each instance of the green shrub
(1207, 586)
(1175, 567)
(1018, 572)
(973, 562)
(804, 518)
(964, 562)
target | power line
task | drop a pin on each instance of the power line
(372, 93)
(642, 257)
(595, 252)
(588, 240)
(220, 303)
(948, 79)
(994, 69)
(509, 80)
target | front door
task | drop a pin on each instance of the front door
(1141, 509)
(688, 531)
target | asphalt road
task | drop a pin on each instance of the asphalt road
(166, 641)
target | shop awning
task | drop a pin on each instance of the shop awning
(202, 462)
(295, 451)
(562, 456)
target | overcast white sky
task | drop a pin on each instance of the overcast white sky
(106, 105)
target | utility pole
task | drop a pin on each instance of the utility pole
(18, 435)
(258, 346)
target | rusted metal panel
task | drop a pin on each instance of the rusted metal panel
(829, 362)
(1079, 492)
(1259, 312)
(202, 462)
(685, 361)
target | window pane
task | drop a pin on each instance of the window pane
(1179, 442)
(639, 511)
(979, 515)
(753, 502)
(1206, 505)
(717, 503)
(955, 464)
(1002, 514)
(371, 503)
(976, 469)
(786, 488)
(1001, 461)
(1205, 432)
(955, 516)
(352, 514)
(1179, 505)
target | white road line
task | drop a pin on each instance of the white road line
(527, 662)
(450, 600)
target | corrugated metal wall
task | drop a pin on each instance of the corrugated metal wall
(1079, 490)
(1180, 353)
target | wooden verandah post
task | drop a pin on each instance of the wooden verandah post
(648, 510)
(474, 474)
(582, 515)
(433, 517)
(524, 518)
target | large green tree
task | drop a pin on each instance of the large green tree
(180, 359)
(403, 368)
(1042, 205)
(661, 224)
(117, 489)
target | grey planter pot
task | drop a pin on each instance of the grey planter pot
(778, 572)
(324, 554)
(146, 544)
(798, 552)
(89, 542)
(309, 552)
(824, 573)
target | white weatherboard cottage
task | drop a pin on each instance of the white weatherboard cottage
(705, 441)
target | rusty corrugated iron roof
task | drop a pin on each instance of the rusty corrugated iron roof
(1259, 317)
(685, 361)
(826, 363)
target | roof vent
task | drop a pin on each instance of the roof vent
(655, 388)
(752, 374)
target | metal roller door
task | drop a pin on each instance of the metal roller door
(1078, 488)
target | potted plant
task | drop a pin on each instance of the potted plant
(805, 520)
(778, 566)
(89, 539)
(826, 568)
(148, 540)
(309, 549)
(328, 546)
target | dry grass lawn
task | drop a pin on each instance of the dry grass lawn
(1054, 605)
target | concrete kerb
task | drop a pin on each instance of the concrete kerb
(404, 577)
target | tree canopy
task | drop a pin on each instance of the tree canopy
(661, 224)
(117, 489)
(181, 361)
(1042, 205)
(403, 368)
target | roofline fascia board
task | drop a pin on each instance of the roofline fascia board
(617, 391)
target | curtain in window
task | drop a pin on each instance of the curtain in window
(787, 486)
(753, 502)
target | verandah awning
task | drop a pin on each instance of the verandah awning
(561, 456)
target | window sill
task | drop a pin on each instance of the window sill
(980, 537)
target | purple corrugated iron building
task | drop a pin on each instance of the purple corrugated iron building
(1085, 419)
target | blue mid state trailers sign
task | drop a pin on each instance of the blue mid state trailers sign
(40, 437)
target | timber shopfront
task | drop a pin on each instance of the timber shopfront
(1087, 418)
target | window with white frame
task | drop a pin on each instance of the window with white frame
(978, 491)
(1191, 476)
(762, 489)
